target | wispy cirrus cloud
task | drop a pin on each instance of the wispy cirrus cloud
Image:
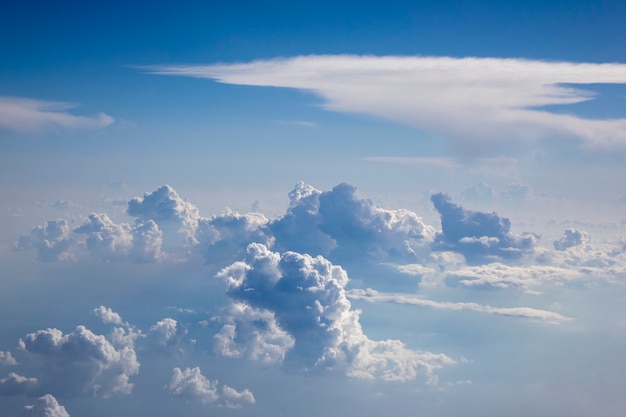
(374, 296)
(31, 115)
(490, 100)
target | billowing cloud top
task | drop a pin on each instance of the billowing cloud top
(46, 406)
(486, 99)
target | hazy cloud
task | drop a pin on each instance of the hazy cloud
(81, 362)
(521, 312)
(571, 237)
(52, 241)
(469, 99)
(28, 115)
(477, 235)
(7, 359)
(15, 384)
(191, 384)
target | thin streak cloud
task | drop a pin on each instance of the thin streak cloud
(374, 296)
(490, 100)
(30, 115)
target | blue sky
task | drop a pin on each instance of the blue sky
(275, 208)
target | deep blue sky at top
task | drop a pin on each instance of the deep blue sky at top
(89, 53)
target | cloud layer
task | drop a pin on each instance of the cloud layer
(466, 99)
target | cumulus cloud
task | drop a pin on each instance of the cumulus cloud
(108, 316)
(46, 406)
(374, 296)
(339, 225)
(466, 99)
(28, 115)
(223, 238)
(252, 333)
(52, 241)
(191, 384)
(571, 237)
(7, 359)
(15, 384)
(177, 218)
(308, 299)
(110, 241)
(81, 362)
(479, 236)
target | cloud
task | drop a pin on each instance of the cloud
(339, 225)
(309, 302)
(7, 359)
(478, 235)
(571, 237)
(29, 115)
(469, 100)
(110, 241)
(251, 333)
(81, 362)
(374, 296)
(177, 218)
(15, 384)
(46, 406)
(108, 316)
(191, 384)
(52, 241)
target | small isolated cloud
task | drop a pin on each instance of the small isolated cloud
(191, 384)
(521, 312)
(167, 335)
(477, 235)
(308, 299)
(469, 100)
(29, 115)
(7, 359)
(15, 384)
(81, 362)
(108, 316)
(46, 406)
(52, 241)
(571, 237)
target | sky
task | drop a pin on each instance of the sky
(269, 208)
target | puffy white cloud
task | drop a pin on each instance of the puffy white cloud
(108, 316)
(105, 238)
(177, 218)
(571, 237)
(28, 115)
(81, 362)
(167, 335)
(15, 384)
(466, 99)
(191, 384)
(339, 225)
(521, 312)
(252, 333)
(308, 299)
(7, 359)
(46, 406)
(477, 235)
(52, 241)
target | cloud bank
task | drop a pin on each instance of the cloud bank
(468, 100)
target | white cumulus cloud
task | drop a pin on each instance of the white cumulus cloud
(46, 406)
(191, 384)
